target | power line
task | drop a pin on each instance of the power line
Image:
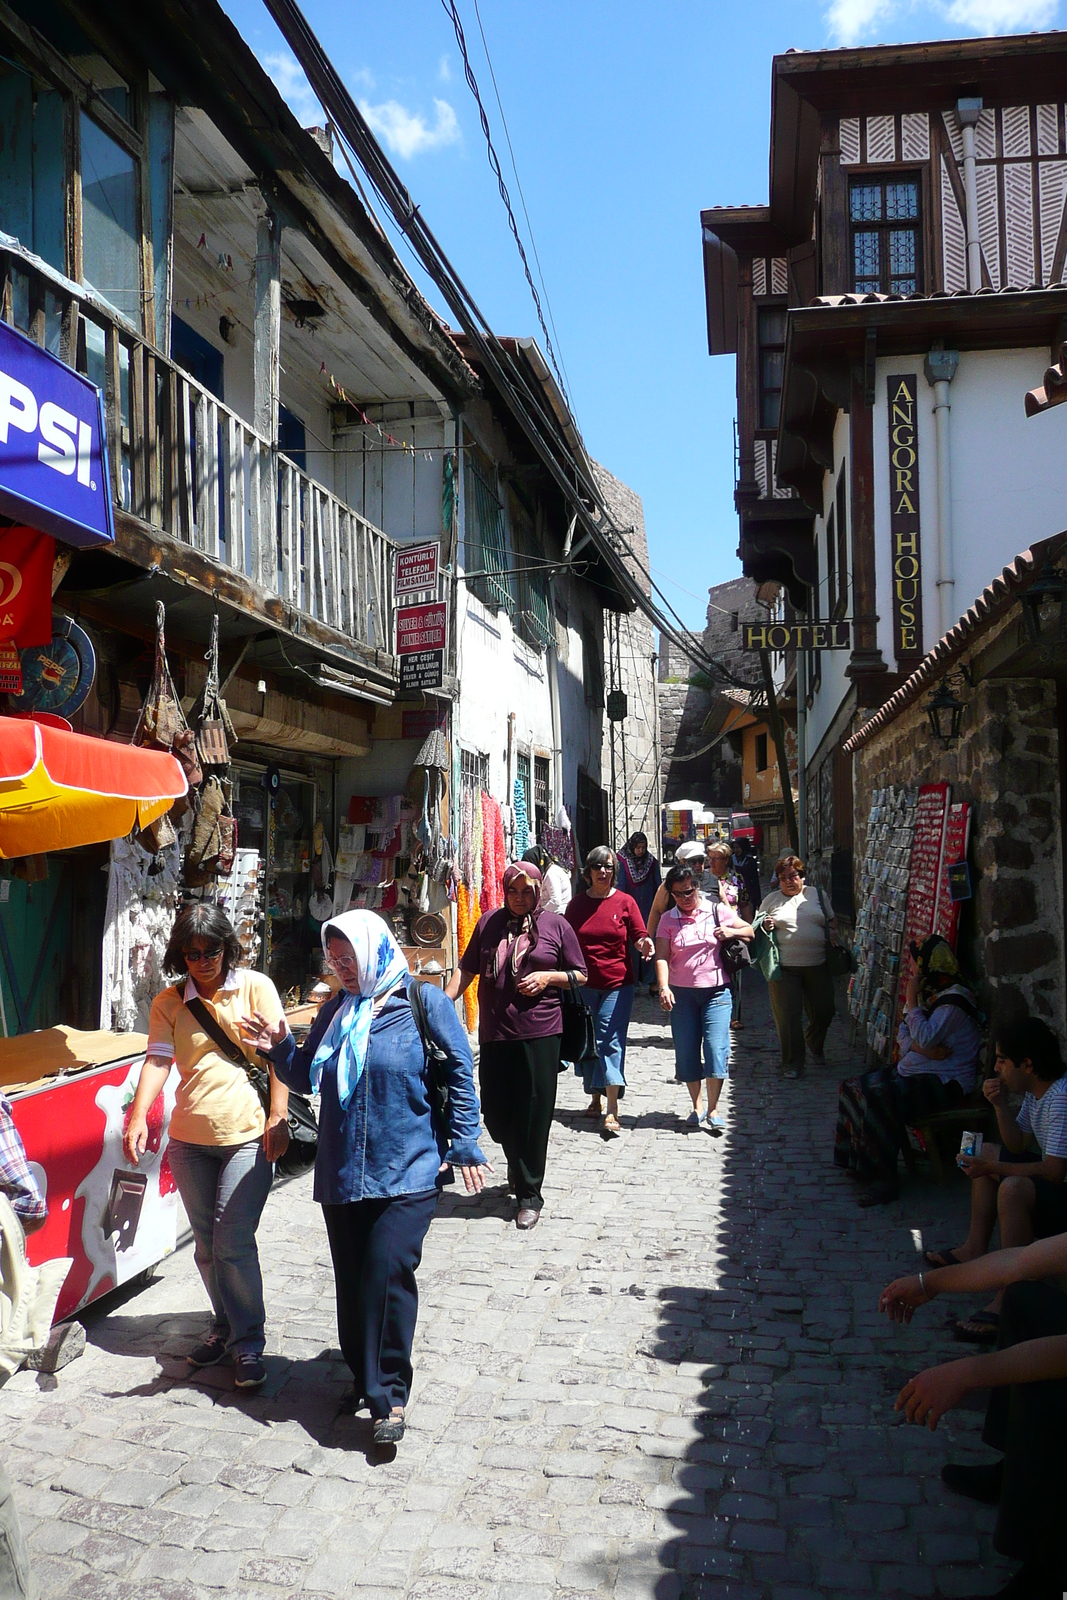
(518, 183)
(472, 82)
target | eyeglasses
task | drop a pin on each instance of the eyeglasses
(192, 957)
(342, 963)
(683, 894)
(603, 869)
(783, 876)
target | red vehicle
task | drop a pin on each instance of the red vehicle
(743, 827)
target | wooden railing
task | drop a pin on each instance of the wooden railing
(184, 462)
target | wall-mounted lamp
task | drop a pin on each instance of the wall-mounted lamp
(945, 714)
(1049, 587)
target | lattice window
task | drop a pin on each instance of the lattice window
(531, 586)
(522, 774)
(487, 553)
(886, 235)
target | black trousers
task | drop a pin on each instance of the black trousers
(517, 1079)
(376, 1247)
(1028, 1422)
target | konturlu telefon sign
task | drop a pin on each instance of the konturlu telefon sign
(53, 449)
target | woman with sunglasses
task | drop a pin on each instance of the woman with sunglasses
(802, 924)
(222, 1143)
(694, 989)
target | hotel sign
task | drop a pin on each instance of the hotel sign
(798, 636)
(904, 517)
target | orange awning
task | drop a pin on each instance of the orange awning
(60, 789)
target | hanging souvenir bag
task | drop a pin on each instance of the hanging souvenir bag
(214, 733)
(162, 717)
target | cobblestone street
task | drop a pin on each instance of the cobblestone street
(678, 1385)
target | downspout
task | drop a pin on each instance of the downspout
(802, 754)
(940, 369)
(968, 112)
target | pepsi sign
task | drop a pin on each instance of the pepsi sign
(53, 449)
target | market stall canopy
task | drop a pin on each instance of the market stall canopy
(60, 789)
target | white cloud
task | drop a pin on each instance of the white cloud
(444, 71)
(858, 21)
(1002, 16)
(407, 133)
(853, 20)
(295, 90)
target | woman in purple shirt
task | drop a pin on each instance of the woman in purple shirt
(521, 957)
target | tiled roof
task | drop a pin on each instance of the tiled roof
(991, 605)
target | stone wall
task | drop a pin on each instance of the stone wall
(1006, 764)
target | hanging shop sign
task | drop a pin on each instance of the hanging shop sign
(421, 637)
(904, 517)
(53, 450)
(415, 571)
(798, 636)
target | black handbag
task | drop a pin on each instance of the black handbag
(578, 1042)
(734, 954)
(435, 1057)
(303, 1128)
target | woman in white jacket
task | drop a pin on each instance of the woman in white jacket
(555, 880)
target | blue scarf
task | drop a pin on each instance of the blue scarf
(382, 966)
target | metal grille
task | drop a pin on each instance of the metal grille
(540, 796)
(885, 256)
(522, 773)
(474, 770)
(487, 554)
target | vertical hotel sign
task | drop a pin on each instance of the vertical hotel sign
(904, 516)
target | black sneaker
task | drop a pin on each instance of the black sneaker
(977, 1483)
(209, 1353)
(249, 1370)
(390, 1429)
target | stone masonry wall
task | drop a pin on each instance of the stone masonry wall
(1006, 764)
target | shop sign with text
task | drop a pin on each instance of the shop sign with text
(53, 455)
(904, 517)
(798, 636)
(415, 570)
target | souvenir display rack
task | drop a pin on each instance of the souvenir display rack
(880, 924)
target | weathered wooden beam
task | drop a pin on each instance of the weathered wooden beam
(266, 346)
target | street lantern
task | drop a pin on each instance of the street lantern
(1050, 586)
(945, 713)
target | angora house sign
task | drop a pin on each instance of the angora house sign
(904, 517)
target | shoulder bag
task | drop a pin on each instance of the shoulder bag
(734, 955)
(764, 948)
(578, 1043)
(839, 959)
(435, 1057)
(303, 1128)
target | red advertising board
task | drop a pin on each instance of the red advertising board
(421, 628)
(957, 829)
(114, 1220)
(927, 853)
(416, 569)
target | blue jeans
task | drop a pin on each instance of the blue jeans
(611, 1017)
(701, 1015)
(224, 1189)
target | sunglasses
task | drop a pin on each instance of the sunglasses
(212, 953)
(683, 894)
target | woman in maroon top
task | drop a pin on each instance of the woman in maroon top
(607, 922)
(521, 957)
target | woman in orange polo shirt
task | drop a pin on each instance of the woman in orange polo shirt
(222, 1143)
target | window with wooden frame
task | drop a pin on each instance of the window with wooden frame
(761, 752)
(886, 233)
(87, 149)
(486, 552)
(531, 580)
(541, 800)
(473, 770)
(770, 330)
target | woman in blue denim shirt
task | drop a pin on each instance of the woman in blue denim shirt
(379, 1161)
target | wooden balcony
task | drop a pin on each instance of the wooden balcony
(186, 465)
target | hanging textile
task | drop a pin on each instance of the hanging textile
(141, 901)
(522, 822)
(467, 913)
(477, 833)
(493, 857)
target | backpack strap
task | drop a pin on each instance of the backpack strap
(417, 1002)
(216, 1033)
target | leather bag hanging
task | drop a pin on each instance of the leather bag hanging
(214, 730)
(578, 1043)
(162, 717)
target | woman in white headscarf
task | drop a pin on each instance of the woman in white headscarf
(382, 1147)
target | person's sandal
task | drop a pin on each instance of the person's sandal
(612, 1127)
(979, 1328)
(593, 1109)
(390, 1429)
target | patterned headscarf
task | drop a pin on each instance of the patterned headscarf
(637, 867)
(521, 932)
(382, 966)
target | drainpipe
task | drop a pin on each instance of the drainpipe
(968, 112)
(802, 754)
(940, 369)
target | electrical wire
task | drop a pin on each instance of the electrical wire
(494, 162)
(518, 184)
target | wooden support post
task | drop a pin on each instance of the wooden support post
(778, 735)
(268, 327)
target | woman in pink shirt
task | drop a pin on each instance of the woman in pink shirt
(694, 989)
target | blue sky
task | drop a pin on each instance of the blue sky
(625, 119)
